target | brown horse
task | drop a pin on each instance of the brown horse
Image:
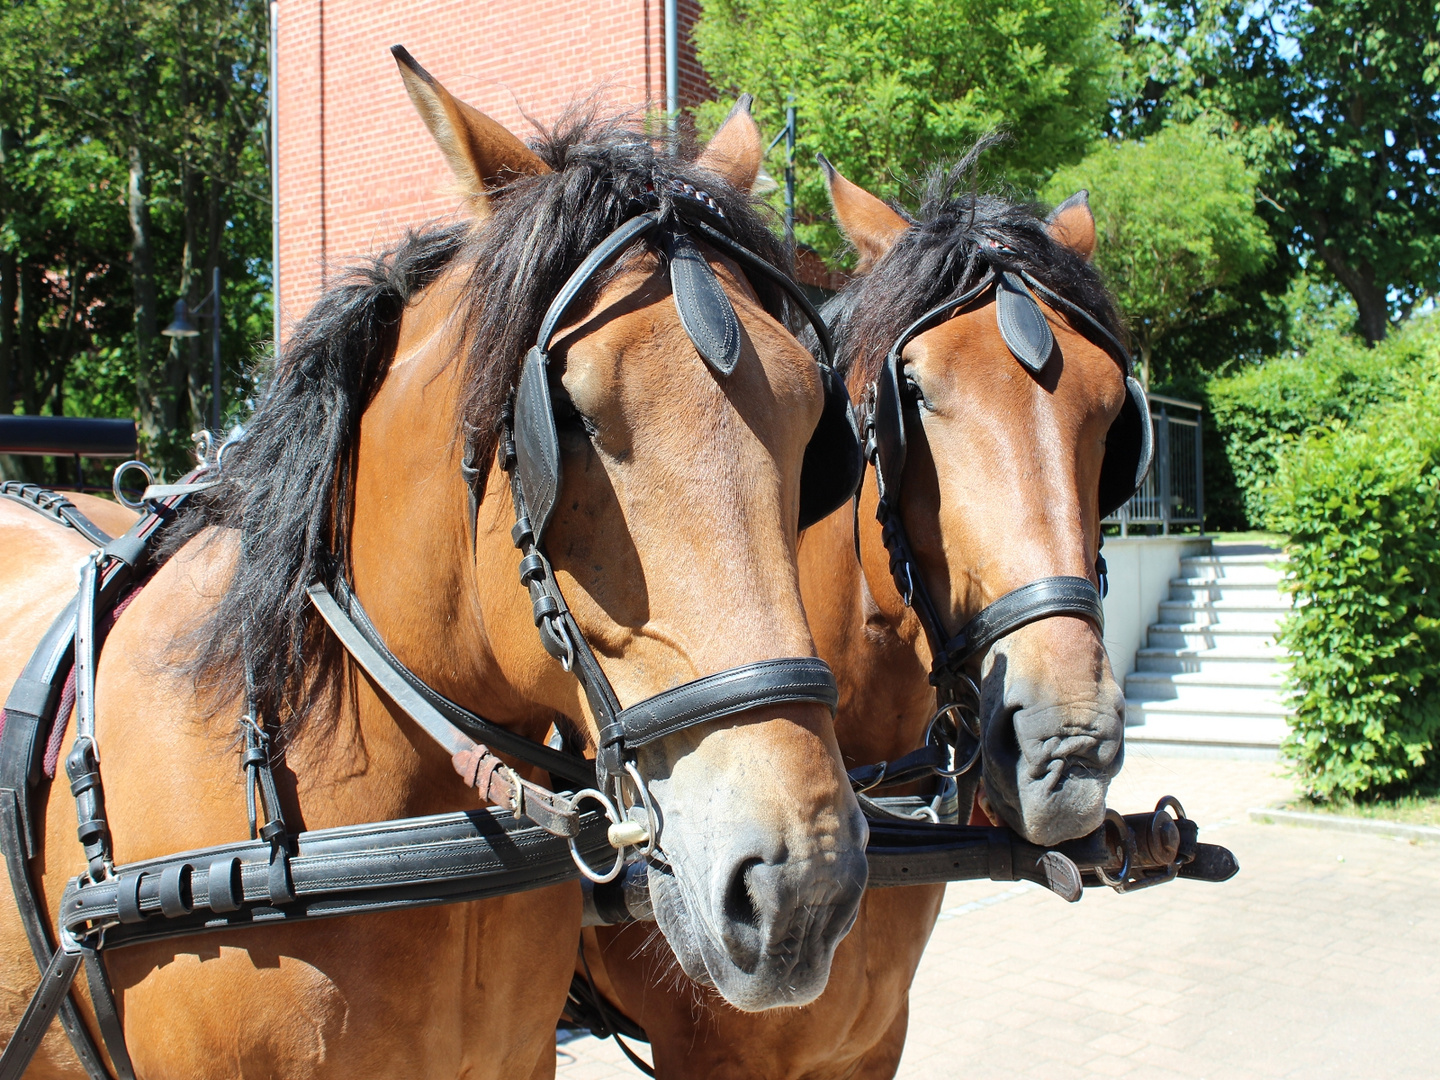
(674, 540)
(1000, 489)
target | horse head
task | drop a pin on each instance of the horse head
(666, 503)
(1006, 379)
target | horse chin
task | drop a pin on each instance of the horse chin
(1051, 789)
(748, 973)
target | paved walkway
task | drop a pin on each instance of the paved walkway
(1320, 960)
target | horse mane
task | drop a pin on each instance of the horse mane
(955, 236)
(284, 487)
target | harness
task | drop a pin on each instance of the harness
(533, 838)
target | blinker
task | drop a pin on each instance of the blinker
(1022, 323)
(705, 311)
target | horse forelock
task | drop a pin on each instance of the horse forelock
(285, 487)
(957, 234)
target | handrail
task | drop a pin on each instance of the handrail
(1175, 401)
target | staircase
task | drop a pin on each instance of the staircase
(1211, 675)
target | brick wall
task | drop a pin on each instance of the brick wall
(357, 166)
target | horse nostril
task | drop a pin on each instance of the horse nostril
(739, 904)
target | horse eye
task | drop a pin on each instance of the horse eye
(914, 394)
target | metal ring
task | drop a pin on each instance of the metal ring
(909, 594)
(614, 816)
(204, 444)
(1170, 802)
(1119, 884)
(653, 840)
(121, 470)
(956, 708)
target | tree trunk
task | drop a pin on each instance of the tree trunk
(7, 331)
(7, 297)
(1370, 303)
(148, 388)
(27, 312)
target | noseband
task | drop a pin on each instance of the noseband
(1027, 334)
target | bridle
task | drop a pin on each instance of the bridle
(1026, 332)
(529, 452)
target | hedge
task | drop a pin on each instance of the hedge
(1361, 503)
(1261, 412)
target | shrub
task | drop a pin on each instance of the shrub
(1260, 412)
(1361, 503)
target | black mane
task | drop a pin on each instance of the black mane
(957, 234)
(284, 487)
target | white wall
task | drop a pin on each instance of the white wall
(1140, 571)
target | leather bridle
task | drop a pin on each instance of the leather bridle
(1026, 333)
(529, 452)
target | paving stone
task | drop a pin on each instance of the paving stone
(1320, 961)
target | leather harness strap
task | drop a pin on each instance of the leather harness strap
(54, 505)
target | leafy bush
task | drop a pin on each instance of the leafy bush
(1261, 412)
(1361, 503)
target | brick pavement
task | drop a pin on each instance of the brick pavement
(1320, 960)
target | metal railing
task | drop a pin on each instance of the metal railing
(1174, 491)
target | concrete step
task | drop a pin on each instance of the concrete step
(1247, 593)
(1195, 636)
(1235, 616)
(1207, 701)
(1177, 729)
(1219, 662)
(1233, 568)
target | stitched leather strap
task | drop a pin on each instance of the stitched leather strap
(56, 506)
(53, 991)
(750, 686)
(351, 623)
(1060, 595)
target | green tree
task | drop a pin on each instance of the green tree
(1340, 103)
(134, 164)
(886, 87)
(1176, 218)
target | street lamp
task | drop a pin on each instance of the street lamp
(182, 327)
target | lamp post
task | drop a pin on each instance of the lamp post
(182, 327)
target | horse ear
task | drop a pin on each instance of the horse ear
(734, 151)
(1072, 225)
(866, 221)
(481, 153)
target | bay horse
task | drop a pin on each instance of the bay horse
(1005, 483)
(673, 534)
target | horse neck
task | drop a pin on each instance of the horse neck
(412, 555)
(874, 644)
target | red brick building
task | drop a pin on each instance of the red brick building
(357, 166)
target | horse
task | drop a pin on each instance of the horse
(1002, 490)
(670, 510)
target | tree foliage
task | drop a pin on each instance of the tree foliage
(134, 136)
(1340, 104)
(1361, 503)
(886, 87)
(1177, 225)
(1263, 412)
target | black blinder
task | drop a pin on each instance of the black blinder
(889, 421)
(1129, 450)
(834, 465)
(705, 311)
(537, 445)
(1022, 323)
